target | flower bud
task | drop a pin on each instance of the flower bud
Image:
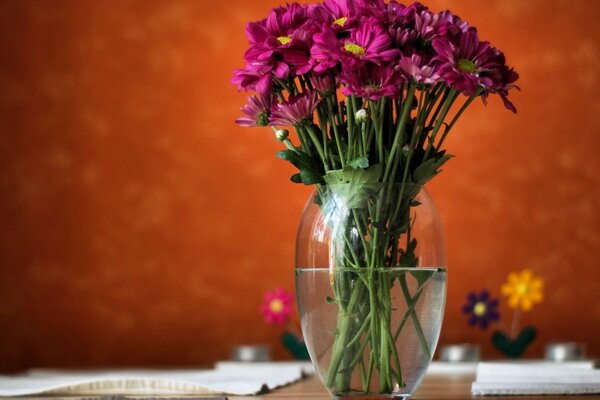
(361, 115)
(281, 134)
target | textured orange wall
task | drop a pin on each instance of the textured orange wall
(139, 225)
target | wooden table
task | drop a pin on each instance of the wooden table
(438, 387)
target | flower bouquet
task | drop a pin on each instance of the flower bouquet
(372, 90)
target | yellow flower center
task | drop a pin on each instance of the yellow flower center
(480, 309)
(468, 66)
(276, 306)
(341, 21)
(284, 39)
(522, 289)
(354, 49)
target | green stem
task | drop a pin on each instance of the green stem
(316, 141)
(401, 128)
(335, 131)
(449, 101)
(415, 319)
(456, 117)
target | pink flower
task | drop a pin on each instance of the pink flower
(325, 84)
(340, 15)
(257, 110)
(277, 307)
(503, 79)
(372, 81)
(370, 42)
(281, 41)
(462, 62)
(297, 110)
(367, 43)
(256, 77)
(415, 68)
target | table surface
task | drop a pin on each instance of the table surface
(438, 387)
(434, 386)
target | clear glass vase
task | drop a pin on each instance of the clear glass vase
(371, 287)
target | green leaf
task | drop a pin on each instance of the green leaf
(430, 168)
(425, 171)
(296, 157)
(422, 276)
(310, 172)
(309, 177)
(354, 185)
(296, 178)
(361, 162)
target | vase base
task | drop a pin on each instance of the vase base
(372, 396)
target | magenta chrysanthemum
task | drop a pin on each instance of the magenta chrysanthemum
(257, 112)
(370, 42)
(367, 43)
(297, 110)
(277, 307)
(503, 79)
(421, 72)
(372, 81)
(257, 78)
(461, 63)
(325, 84)
(340, 15)
(281, 41)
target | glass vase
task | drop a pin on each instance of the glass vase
(371, 286)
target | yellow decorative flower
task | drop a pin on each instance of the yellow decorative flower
(523, 290)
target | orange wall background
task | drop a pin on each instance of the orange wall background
(140, 226)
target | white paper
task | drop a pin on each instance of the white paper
(227, 379)
(536, 378)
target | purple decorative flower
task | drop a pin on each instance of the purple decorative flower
(461, 63)
(422, 73)
(481, 309)
(257, 110)
(298, 110)
(372, 81)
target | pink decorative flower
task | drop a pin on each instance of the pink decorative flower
(277, 307)
(297, 110)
